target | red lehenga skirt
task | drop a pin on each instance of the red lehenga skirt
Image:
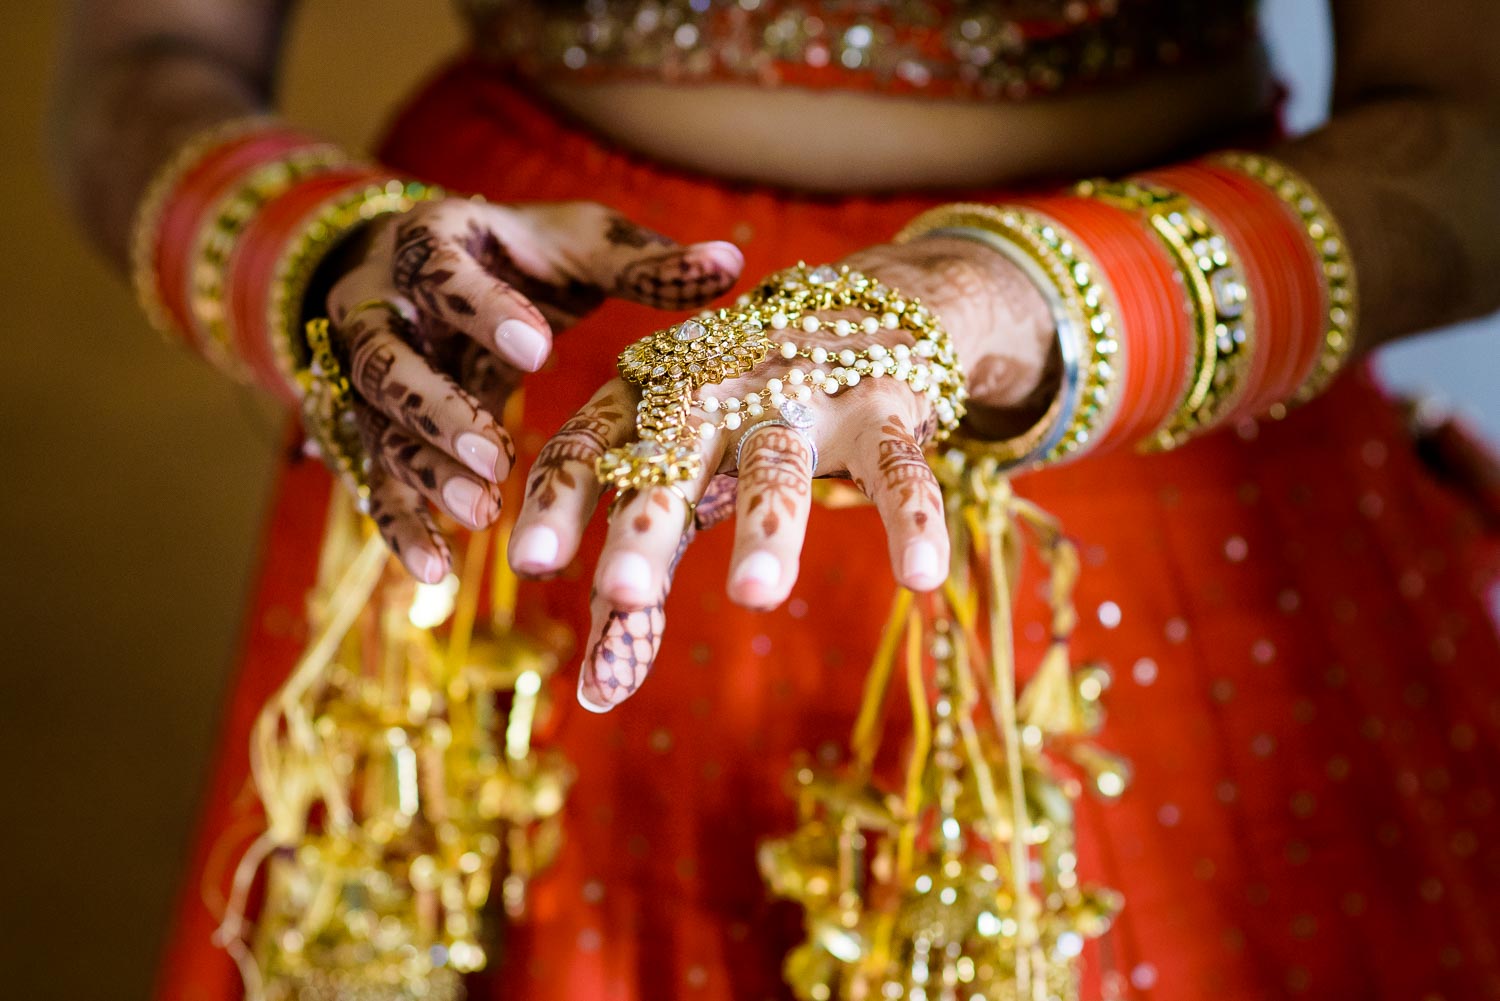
(1308, 677)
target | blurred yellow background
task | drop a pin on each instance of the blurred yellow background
(134, 485)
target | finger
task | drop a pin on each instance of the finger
(562, 491)
(775, 497)
(488, 379)
(440, 479)
(402, 518)
(623, 645)
(396, 380)
(645, 531)
(889, 465)
(435, 269)
(634, 263)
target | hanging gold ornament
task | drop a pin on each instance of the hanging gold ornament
(399, 781)
(959, 881)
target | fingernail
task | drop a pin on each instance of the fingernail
(464, 498)
(481, 455)
(535, 549)
(522, 343)
(759, 572)
(919, 565)
(426, 565)
(627, 578)
(584, 700)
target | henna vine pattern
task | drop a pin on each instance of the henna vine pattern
(776, 474)
(582, 439)
(904, 470)
(628, 642)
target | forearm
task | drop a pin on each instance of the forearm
(1411, 179)
(136, 85)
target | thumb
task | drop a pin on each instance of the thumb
(635, 263)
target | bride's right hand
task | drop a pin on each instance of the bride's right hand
(445, 307)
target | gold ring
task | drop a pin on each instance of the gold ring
(689, 506)
(386, 304)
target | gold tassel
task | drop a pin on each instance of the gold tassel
(959, 879)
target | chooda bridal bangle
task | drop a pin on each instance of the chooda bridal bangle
(671, 366)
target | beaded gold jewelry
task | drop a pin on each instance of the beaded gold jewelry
(1082, 307)
(148, 213)
(1215, 280)
(328, 227)
(1331, 248)
(673, 364)
(215, 243)
(328, 413)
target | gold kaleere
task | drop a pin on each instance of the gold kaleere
(959, 879)
(399, 780)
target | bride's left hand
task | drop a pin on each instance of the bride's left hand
(873, 433)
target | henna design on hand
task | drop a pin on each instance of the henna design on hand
(628, 642)
(675, 279)
(621, 232)
(778, 474)
(904, 470)
(582, 439)
(717, 503)
(570, 297)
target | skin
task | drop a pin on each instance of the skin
(1407, 163)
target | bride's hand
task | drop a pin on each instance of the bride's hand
(873, 432)
(441, 311)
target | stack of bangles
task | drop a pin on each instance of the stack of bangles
(1185, 299)
(226, 242)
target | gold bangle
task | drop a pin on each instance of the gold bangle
(1083, 308)
(215, 243)
(335, 220)
(1214, 278)
(328, 413)
(145, 227)
(1340, 284)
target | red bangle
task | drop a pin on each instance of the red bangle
(256, 260)
(200, 188)
(1279, 271)
(1155, 317)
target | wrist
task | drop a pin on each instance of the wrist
(1002, 326)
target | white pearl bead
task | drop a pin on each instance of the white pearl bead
(754, 409)
(779, 321)
(877, 351)
(831, 386)
(890, 321)
(788, 349)
(878, 369)
(707, 431)
(732, 404)
(819, 356)
(711, 404)
(804, 392)
(816, 376)
(732, 421)
(926, 348)
(811, 324)
(870, 325)
(851, 378)
(773, 386)
(777, 399)
(795, 376)
(843, 328)
(846, 357)
(901, 352)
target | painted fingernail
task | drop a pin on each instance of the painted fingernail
(464, 498)
(583, 697)
(426, 565)
(481, 455)
(535, 549)
(627, 578)
(758, 573)
(522, 343)
(919, 565)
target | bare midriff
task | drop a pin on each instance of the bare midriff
(854, 141)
